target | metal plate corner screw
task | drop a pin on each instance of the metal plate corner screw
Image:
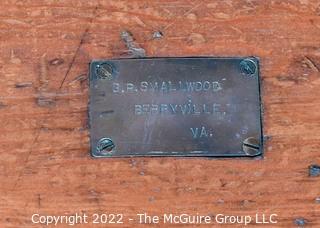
(300, 222)
(251, 146)
(248, 67)
(314, 170)
(105, 71)
(105, 146)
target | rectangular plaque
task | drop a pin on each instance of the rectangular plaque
(175, 107)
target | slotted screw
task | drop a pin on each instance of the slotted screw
(248, 67)
(105, 146)
(251, 146)
(104, 71)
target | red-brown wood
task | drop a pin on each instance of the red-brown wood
(45, 167)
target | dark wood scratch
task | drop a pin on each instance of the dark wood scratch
(23, 85)
(74, 57)
(84, 34)
(45, 149)
(27, 158)
(39, 200)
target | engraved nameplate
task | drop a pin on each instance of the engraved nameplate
(175, 107)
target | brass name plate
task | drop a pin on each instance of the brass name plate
(175, 107)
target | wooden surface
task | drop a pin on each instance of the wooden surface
(45, 167)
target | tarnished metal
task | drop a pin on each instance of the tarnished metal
(251, 146)
(248, 66)
(175, 107)
(105, 146)
(104, 71)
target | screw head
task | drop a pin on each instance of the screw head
(248, 67)
(105, 146)
(105, 71)
(251, 146)
(300, 221)
(314, 170)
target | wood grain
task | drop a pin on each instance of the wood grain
(45, 167)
